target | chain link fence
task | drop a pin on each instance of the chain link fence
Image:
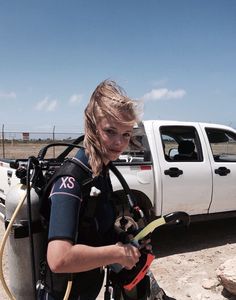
(21, 145)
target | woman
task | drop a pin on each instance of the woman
(74, 248)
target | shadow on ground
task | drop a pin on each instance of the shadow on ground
(168, 240)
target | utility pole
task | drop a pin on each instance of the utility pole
(3, 142)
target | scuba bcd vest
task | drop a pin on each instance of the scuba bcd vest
(87, 231)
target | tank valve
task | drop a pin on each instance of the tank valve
(21, 174)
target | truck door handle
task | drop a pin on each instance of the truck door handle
(173, 172)
(222, 171)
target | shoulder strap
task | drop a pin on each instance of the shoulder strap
(71, 167)
(74, 168)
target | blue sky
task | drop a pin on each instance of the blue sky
(179, 56)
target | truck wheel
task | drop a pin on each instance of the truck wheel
(122, 209)
(145, 204)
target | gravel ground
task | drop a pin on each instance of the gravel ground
(187, 259)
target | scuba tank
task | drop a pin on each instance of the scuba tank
(19, 250)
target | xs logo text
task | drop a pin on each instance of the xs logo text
(67, 182)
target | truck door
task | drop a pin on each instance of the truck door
(185, 169)
(222, 149)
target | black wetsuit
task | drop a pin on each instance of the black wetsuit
(67, 222)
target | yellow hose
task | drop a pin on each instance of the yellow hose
(3, 242)
(149, 228)
(68, 289)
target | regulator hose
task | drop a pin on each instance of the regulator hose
(31, 161)
(68, 289)
(3, 243)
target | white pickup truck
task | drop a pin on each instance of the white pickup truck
(177, 166)
(184, 166)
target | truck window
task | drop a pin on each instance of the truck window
(223, 144)
(138, 150)
(180, 143)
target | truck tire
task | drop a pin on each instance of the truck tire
(122, 208)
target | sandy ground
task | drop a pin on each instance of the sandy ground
(187, 259)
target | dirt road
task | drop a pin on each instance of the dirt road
(187, 259)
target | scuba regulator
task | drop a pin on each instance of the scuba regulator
(128, 279)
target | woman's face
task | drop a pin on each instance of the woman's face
(114, 137)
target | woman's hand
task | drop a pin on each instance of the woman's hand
(129, 255)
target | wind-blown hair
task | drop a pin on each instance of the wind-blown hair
(108, 100)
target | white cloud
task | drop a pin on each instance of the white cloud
(52, 105)
(159, 94)
(41, 104)
(46, 104)
(9, 95)
(75, 99)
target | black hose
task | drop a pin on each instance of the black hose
(124, 184)
(31, 160)
(44, 150)
(107, 293)
(70, 148)
(136, 211)
(177, 217)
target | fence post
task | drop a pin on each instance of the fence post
(53, 139)
(3, 142)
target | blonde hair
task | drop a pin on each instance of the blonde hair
(108, 100)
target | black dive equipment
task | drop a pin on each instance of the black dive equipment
(34, 175)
